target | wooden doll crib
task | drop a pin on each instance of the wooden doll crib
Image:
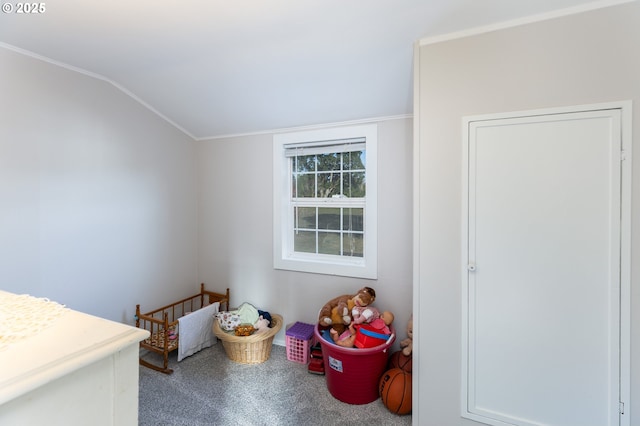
(162, 323)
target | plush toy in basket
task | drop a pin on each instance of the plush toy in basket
(244, 321)
(228, 320)
(241, 342)
(244, 330)
(262, 325)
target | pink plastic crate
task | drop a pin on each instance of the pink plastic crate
(299, 337)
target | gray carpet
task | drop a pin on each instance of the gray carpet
(209, 389)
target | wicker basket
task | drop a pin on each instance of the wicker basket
(252, 349)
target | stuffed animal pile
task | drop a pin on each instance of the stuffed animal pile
(337, 312)
(380, 324)
(245, 320)
(343, 315)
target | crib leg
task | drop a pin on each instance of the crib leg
(164, 370)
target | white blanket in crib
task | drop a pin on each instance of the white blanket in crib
(195, 330)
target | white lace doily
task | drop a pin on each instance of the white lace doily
(22, 316)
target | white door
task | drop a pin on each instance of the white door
(542, 288)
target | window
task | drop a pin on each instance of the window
(325, 187)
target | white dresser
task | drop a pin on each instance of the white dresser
(80, 370)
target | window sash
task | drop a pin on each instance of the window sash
(320, 176)
(334, 235)
(339, 202)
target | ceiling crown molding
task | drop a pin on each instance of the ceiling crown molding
(521, 21)
(97, 77)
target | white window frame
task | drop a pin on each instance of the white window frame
(283, 255)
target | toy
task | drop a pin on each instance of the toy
(347, 339)
(350, 338)
(407, 344)
(244, 330)
(364, 314)
(264, 314)
(262, 325)
(336, 313)
(339, 321)
(395, 391)
(401, 361)
(383, 322)
(316, 364)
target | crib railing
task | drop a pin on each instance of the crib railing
(162, 324)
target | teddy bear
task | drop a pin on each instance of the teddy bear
(407, 344)
(336, 313)
(262, 325)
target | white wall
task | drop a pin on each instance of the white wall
(236, 232)
(97, 193)
(580, 59)
(104, 205)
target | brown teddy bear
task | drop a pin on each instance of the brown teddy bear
(407, 344)
(336, 313)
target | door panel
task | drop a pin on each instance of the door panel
(542, 343)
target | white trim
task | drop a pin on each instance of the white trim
(464, 261)
(420, 376)
(625, 262)
(552, 110)
(521, 21)
(52, 61)
(311, 127)
(98, 77)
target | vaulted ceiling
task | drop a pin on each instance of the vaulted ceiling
(228, 67)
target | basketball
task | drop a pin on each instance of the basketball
(395, 391)
(401, 361)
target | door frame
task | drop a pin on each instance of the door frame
(625, 108)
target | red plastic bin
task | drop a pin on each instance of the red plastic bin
(352, 374)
